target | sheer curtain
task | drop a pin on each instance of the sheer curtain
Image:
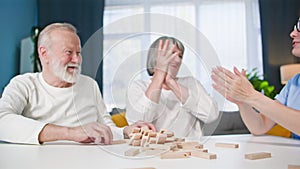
(214, 32)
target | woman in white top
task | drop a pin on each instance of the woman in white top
(179, 104)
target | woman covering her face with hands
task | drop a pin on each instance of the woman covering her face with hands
(179, 104)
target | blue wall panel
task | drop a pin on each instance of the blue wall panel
(17, 18)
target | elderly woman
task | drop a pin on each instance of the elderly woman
(179, 104)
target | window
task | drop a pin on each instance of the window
(231, 29)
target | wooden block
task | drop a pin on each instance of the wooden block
(136, 143)
(119, 141)
(255, 156)
(159, 146)
(201, 150)
(188, 152)
(204, 155)
(152, 134)
(145, 140)
(172, 155)
(227, 145)
(161, 138)
(293, 166)
(136, 136)
(189, 145)
(170, 139)
(136, 130)
(179, 140)
(169, 133)
(152, 140)
(132, 152)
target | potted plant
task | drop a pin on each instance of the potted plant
(37, 66)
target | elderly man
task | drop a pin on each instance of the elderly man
(59, 103)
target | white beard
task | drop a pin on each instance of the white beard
(62, 73)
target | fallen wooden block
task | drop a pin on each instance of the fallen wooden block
(132, 152)
(227, 145)
(136, 136)
(255, 156)
(179, 140)
(169, 133)
(202, 150)
(293, 166)
(145, 140)
(136, 143)
(161, 138)
(175, 154)
(189, 145)
(160, 146)
(204, 155)
(170, 139)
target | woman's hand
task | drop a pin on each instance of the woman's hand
(164, 56)
(235, 87)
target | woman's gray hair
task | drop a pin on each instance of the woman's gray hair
(45, 38)
(153, 51)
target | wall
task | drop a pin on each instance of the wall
(17, 18)
(87, 17)
(278, 18)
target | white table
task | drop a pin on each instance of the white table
(61, 155)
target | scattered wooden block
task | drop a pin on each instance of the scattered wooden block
(160, 146)
(170, 139)
(204, 155)
(227, 145)
(132, 152)
(179, 140)
(152, 140)
(136, 143)
(293, 166)
(202, 150)
(136, 136)
(172, 155)
(169, 133)
(260, 155)
(189, 145)
(161, 138)
(145, 140)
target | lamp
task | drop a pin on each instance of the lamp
(288, 71)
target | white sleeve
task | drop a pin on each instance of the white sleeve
(104, 116)
(138, 106)
(14, 127)
(200, 103)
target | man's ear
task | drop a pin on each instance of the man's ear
(43, 54)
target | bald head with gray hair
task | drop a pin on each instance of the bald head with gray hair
(153, 51)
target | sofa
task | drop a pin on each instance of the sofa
(227, 123)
